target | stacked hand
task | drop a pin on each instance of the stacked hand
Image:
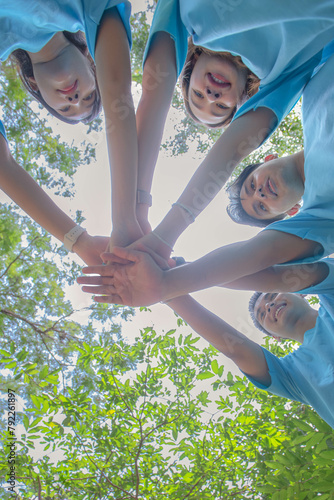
(130, 278)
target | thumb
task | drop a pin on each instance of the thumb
(111, 258)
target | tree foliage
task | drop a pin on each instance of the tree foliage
(148, 433)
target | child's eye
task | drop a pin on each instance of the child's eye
(89, 97)
(198, 94)
(252, 185)
(262, 207)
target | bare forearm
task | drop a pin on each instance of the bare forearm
(122, 150)
(246, 354)
(232, 262)
(240, 139)
(209, 326)
(114, 77)
(24, 191)
(159, 79)
(282, 278)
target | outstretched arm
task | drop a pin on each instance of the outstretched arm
(24, 191)
(241, 138)
(113, 69)
(159, 79)
(141, 282)
(245, 353)
(288, 278)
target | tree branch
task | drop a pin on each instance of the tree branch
(18, 256)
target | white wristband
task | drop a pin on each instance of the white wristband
(72, 236)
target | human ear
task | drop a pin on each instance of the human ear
(32, 83)
(293, 210)
(270, 157)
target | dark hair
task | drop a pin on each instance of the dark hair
(194, 51)
(251, 306)
(235, 209)
(25, 70)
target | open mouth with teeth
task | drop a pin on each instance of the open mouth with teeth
(218, 80)
(278, 311)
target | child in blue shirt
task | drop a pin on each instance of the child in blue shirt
(27, 28)
(67, 73)
(281, 43)
(306, 374)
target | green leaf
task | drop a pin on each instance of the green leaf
(205, 375)
(26, 422)
(214, 366)
(5, 353)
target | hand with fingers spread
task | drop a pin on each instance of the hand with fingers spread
(130, 278)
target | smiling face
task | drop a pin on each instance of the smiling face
(280, 313)
(67, 83)
(272, 189)
(216, 87)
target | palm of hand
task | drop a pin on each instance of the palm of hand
(138, 283)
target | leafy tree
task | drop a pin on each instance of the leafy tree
(146, 433)
(34, 312)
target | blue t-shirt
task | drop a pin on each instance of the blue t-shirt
(307, 374)
(281, 42)
(29, 25)
(315, 221)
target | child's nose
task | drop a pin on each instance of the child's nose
(213, 95)
(73, 97)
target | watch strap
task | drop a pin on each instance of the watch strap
(72, 236)
(144, 197)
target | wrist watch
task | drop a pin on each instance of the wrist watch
(72, 236)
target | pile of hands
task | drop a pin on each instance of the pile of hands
(132, 274)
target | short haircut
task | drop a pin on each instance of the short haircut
(25, 70)
(235, 209)
(194, 51)
(251, 306)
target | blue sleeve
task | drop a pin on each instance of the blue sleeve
(282, 383)
(2, 130)
(282, 94)
(124, 10)
(93, 13)
(308, 227)
(167, 18)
